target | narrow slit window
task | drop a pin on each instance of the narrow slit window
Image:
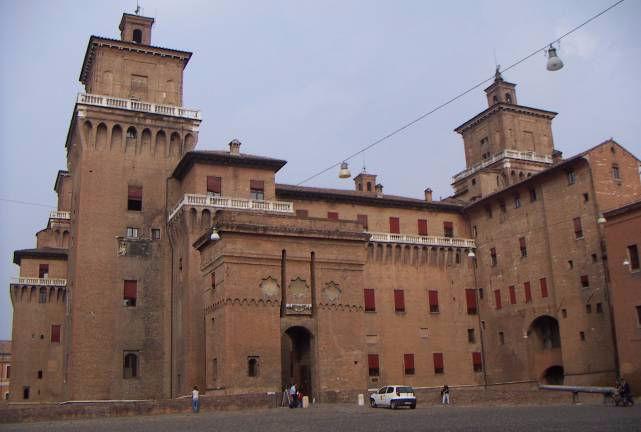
(370, 300)
(578, 228)
(373, 365)
(497, 299)
(528, 292)
(470, 300)
(399, 300)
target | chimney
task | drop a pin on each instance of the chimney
(428, 195)
(379, 190)
(557, 156)
(234, 147)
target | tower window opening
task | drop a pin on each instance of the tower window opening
(137, 36)
(130, 366)
(252, 367)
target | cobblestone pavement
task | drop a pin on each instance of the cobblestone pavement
(338, 418)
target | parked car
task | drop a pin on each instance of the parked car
(393, 397)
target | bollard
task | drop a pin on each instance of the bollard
(305, 401)
(361, 399)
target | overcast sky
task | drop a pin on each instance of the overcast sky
(314, 81)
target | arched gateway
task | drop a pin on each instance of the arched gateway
(298, 358)
(545, 350)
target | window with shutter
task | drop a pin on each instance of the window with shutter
(408, 361)
(399, 301)
(585, 281)
(544, 287)
(512, 291)
(134, 198)
(394, 225)
(578, 229)
(43, 271)
(55, 333)
(370, 300)
(528, 292)
(130, 292)
(433, 301)
(497, 299)
(302, 213)
(362, 219)
(332, 215)
(214, 185)
(448, 229)
(257, 190)
(493, 260)
(439, 364)
(523, 247)
(422, 227)
(477, 363)
(372, 363)
(470, 299)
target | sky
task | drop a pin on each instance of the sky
(312, 82)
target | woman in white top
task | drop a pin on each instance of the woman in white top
(195, 400)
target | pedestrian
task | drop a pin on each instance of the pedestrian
(195, 400)
(445, 395)
(293, 399)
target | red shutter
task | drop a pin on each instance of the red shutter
(512, 294)
(422, 227)
(134, 192)
(544, 287)
(332, 215)
(257, 184)
(522, 242)
(438, 362)
(214, 184)
(448, 229)
(399, 301)
(477, 363)
(394, 225)
(372, 361)
(433, 300)
(43, 269)
(577, 224)
(370, 300)
(528, 292)
(302, 213)
(408, 360)
(470, 298)
(130, 289)
(362, 219)
(497, 298)
(55, 333)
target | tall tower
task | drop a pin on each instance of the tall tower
(127, 133)
(504, 144)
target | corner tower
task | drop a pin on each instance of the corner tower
(127, 133)
(503, 144)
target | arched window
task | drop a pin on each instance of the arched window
(138, 36)
(131, 133)
(508, 98)
(252, 366)
(130, 366)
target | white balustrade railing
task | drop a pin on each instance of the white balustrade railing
(38, 281)
(422, 240)
(214, 201)
(513, 154)
(56, 214)
(134, 105)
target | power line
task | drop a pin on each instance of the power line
(460, 95)
(28, 203)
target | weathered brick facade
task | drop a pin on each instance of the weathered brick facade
(169, 267)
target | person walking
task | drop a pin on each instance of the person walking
(195, 400)
(293, 396)
(445, 395)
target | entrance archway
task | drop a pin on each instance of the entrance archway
(544, 346)
(297, 359)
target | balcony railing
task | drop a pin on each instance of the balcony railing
(60, 215)
(38, 281)
(232, 203)
(513, 154)
(134, 105)
(422, 240)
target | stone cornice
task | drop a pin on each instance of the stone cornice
(502, 106)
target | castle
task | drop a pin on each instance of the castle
(166, 267)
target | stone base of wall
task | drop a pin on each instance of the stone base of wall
(494, 395)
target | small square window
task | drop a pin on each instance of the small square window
(132, 232)
(155, 233)
(594, 258)
(570, 264)
(40, 374)
(582, 336)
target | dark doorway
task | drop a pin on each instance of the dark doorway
(553, 375)
(297, 359)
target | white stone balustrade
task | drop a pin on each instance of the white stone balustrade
(134, 105)
(512, 154)
(232, 203)
(56, 214)
(38, 281)
(422, 240)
